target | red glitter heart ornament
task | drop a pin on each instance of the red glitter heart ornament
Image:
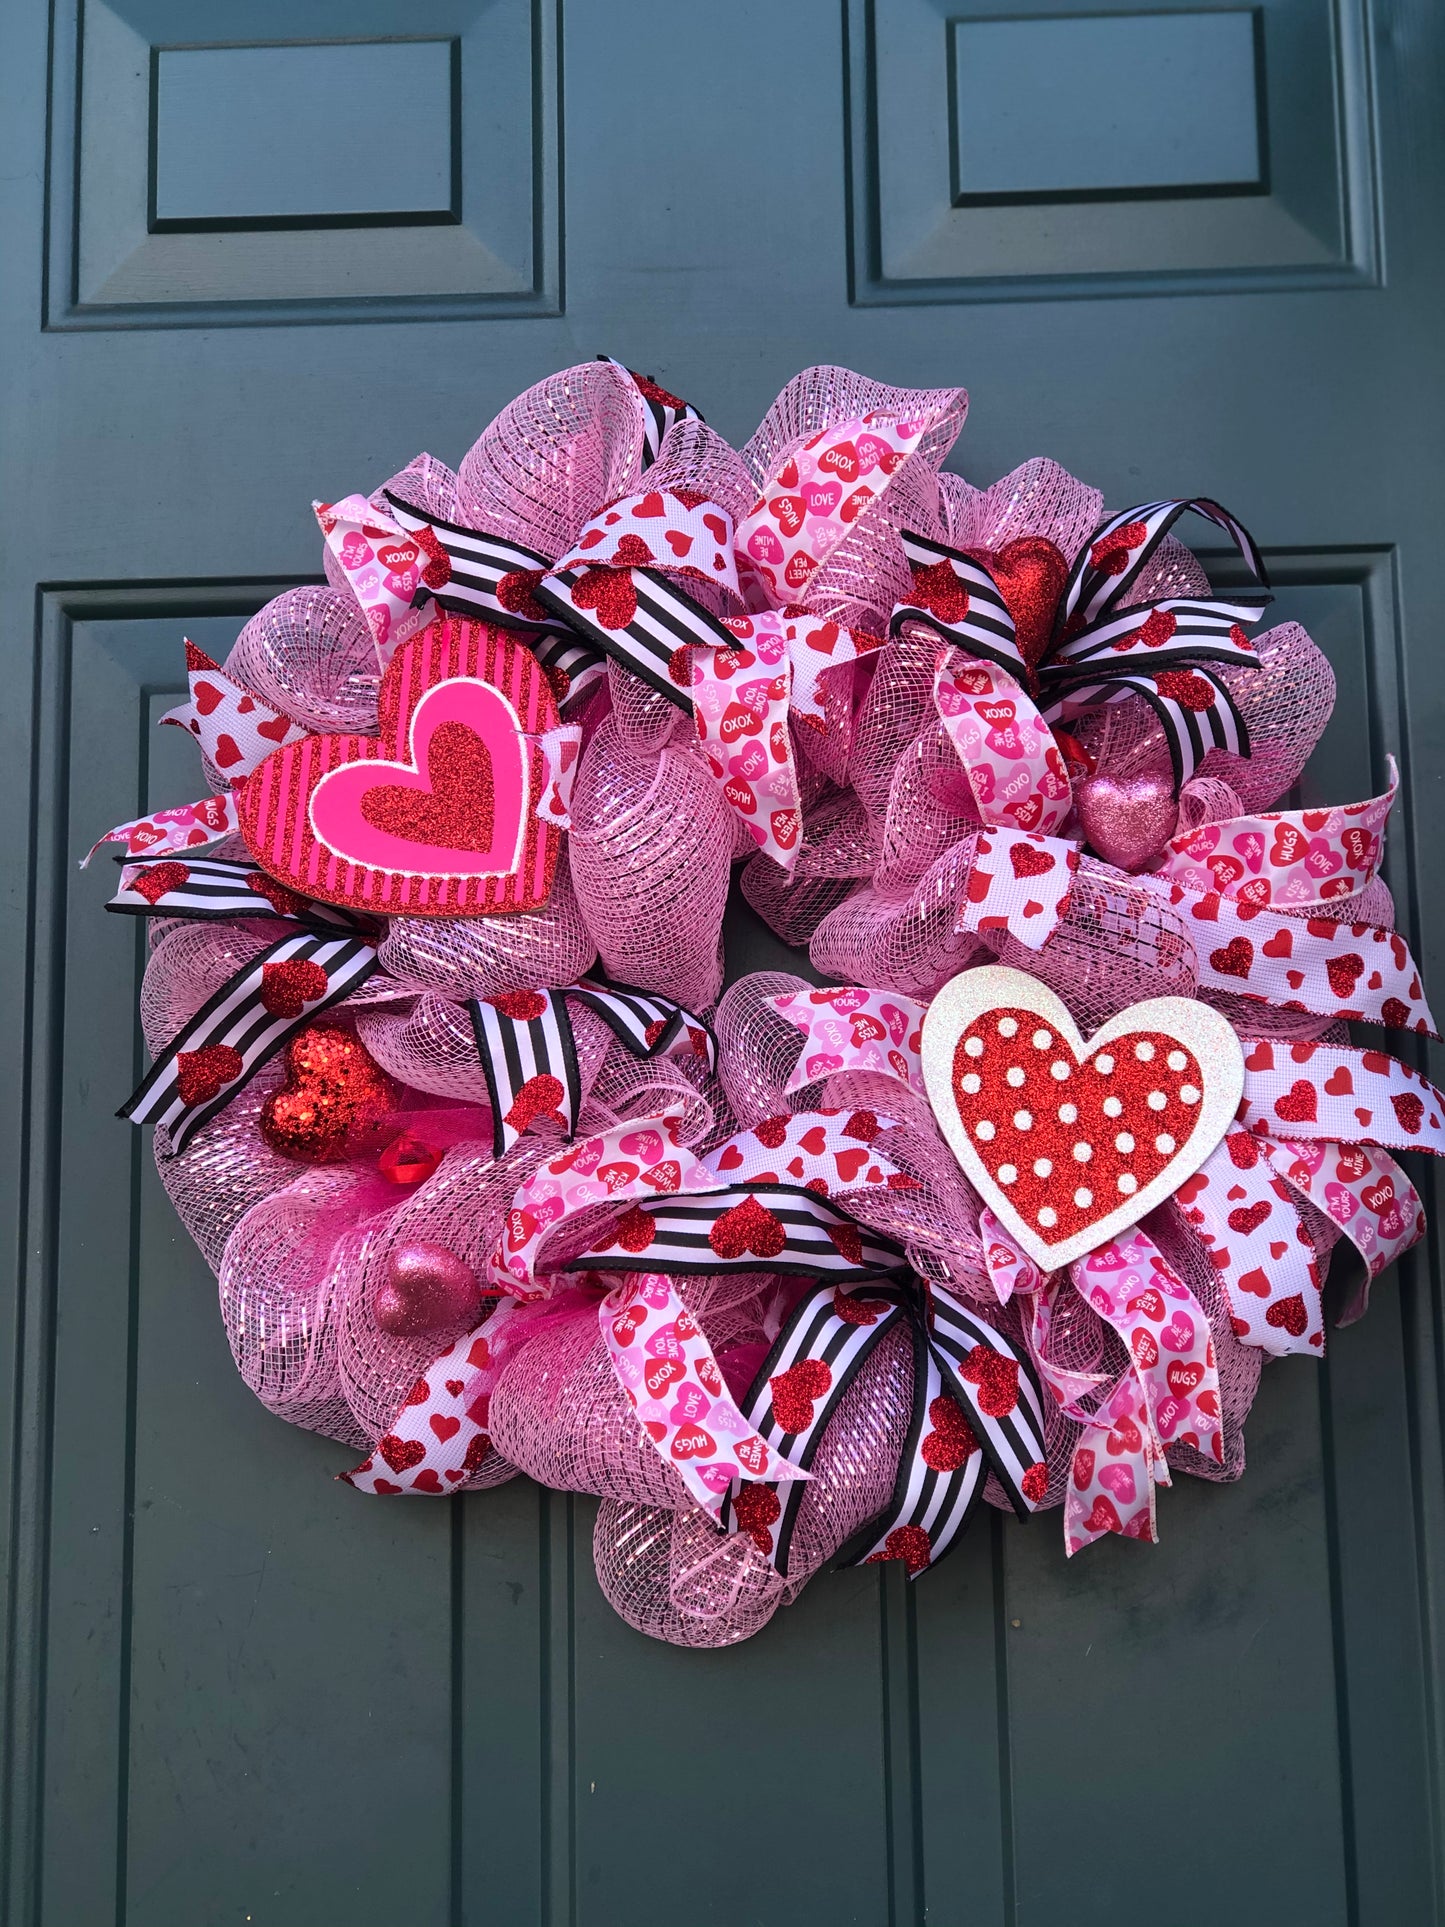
(1068, 1142)
(436, 815)
(1031, 575)
(334, 1090)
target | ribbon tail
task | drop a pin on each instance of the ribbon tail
(441, 1438)
(666, 1367)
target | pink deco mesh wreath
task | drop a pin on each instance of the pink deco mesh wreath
(1003, 1196)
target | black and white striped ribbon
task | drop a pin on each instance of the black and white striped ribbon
(934, 1495)
(780, 1227)
(1013, 1439)
(963, 1369)
(478, 565)
(203, 886)
(1097, 585)
(239, 1029)
(665, 621)
(529, 1059)
(1179, 629)
(662, 410)
(649, 1025)
(525, 1036)
(985, 628)
(815, 1331)
(1190, 733)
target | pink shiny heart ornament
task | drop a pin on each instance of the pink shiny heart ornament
(426, 1289)
(1127, 820)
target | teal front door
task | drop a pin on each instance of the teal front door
(254, 254)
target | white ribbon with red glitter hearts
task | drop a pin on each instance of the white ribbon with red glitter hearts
(637, 1159)
(675, 531)
(561, 750)
(1017, 882)
(853, 1029)
(1120, 1457)
(1365, 1193)
(1014, 767)
(814, 497)
(384, 565)
(1293, 857)
(1349, 970)
(440, 1438)
(235, 729)
(187, 827)
(740, 711)
(1335, 1091)
(1243, 1214)
(666, 1367)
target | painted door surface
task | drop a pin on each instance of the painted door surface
(252, 253)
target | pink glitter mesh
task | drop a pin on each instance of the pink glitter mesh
(465, 957)
(673, 1576)
(888, 816)
(560, 1414)
(310, 654)
(553, 456)
(651, 849)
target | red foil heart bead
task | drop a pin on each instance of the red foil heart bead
(1031, 576)
(334, 1091)
(435, 815)
(408, 1160)
(426, 1289)
(1067, 1142)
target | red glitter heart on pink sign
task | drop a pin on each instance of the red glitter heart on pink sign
(436, 814)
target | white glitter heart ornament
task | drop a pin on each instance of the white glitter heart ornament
(1070, 1142)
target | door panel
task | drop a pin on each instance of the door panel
(233, 1688)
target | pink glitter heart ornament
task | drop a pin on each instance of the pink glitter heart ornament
(1127, 820)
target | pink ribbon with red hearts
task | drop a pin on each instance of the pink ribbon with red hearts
(186, 827)
(814, 497)
(740, 711)
(384, 565)
(1294, 857)
(641, 1158)
(672, 1381)
(1363, 1191)
(235, 729)
(854, 1029)
(1015, 768)
(1168, 1396)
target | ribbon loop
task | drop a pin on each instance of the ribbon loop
(241, 1027)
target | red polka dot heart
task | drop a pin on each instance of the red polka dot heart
(1070, 1142)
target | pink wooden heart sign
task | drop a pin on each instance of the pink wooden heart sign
(437, 814)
